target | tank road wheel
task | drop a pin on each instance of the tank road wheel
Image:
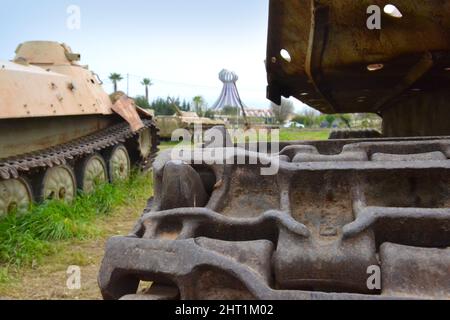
(58, 183)
(145, 143)
(15, 196)
(119, 164)
(91, 172)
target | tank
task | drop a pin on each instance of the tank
(350, 218)
(60, 131)
(183, 120)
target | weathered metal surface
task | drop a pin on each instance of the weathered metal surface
(126, 109)
(183, 120)
(41, 133)
(15, 166)
(354, 134)
(54, 85)
(46, 53)
(335, 210)
(425, 114)
(331, 50)
(146, 113)
(52, 110)
(45, 80)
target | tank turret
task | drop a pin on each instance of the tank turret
(46, 53)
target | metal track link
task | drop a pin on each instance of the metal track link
(318, 229)
(11, 168)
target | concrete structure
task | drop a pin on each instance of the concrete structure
(229, 97)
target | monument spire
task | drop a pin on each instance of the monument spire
(230, 95)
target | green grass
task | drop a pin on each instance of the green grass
(285, 135)
(303, 134)
(167, 145)
(30, 237)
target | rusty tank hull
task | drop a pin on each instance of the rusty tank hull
(167, 125)
(364, 218)
(60, 131)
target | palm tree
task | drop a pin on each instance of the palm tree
(199, 103)
(146, 82)
(115, 78)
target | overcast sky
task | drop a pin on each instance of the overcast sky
(181, 44)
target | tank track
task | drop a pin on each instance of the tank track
(354, 134)
(336, 213)
(12, 168)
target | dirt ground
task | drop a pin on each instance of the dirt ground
(47, 281)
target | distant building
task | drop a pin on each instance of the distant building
(260, 115)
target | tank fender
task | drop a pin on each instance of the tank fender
(125, 107)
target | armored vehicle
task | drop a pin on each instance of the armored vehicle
(183, 120)
(60, 131)
(340, 219)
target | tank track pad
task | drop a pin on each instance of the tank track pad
(11, 168)
(369, 221)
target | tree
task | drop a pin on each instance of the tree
(308, 117)
(165, 107)
(185, 106)
(115, 78)
(230, 111)
(199, 103)
(209, 114)
(142, 102)
(300, 119)
(347, 119)
(282, 111)
(330, 119)
(146, 82)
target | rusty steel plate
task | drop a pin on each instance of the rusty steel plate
(126, 109)
(335, 212)
(336, 64)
